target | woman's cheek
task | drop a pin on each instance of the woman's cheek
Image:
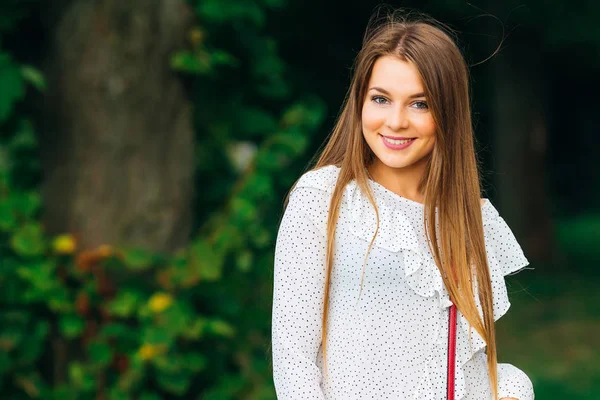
(372, 119)
(366, 124)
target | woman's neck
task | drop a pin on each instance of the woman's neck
(402, 181)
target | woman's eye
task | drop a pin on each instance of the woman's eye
(421, 104)
(377, 98)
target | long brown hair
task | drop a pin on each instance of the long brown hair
(451, 181)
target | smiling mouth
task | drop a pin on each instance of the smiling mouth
(397, 141)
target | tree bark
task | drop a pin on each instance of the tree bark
(118, 145)
(520, 147)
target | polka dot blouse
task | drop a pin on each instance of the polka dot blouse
(391, 343)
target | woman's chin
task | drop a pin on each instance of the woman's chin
(395, 163)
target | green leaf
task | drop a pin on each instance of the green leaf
(128, 381)
(292, 142)
(34, 76)
(269, 160)
(221, 328)
(195, 362)
(8, 220)
(192, 63)
(244, 260)
(115, 330)
(243, 210)
(71, 326)
(195, 330)
(125, 304)
(29, 355)
(100, 354)
(256, 121)
(124, 337)
(175, 384)
(176, 319)
(221, 57)
(80, 377)
(25, 204)
(40, 275)
(29, 240)
(169, 363)
(137, 259)
(267, 65)
(231, 12)
(204, 261)
(157, 336)
(307, 114)
(259, 187)
(24, 138)
(260, 236)
(11, 82)
(60, 302)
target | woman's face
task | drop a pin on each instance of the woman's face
(395, 108)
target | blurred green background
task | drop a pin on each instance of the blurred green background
(146, 147)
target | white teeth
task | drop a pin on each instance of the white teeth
(392, 141)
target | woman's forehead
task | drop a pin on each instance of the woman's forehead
(395, 76)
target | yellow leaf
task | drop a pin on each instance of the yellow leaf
(149, 351)
(196, 36)
(160, 302)
(64, 244)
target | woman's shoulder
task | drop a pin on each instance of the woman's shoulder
(323, 178)
(310, 196)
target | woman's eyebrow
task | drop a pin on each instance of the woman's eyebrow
(382, 90)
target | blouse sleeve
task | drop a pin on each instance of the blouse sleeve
(512, 382)
(299, 279)
(506, 258)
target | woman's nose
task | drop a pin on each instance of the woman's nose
(397, 119)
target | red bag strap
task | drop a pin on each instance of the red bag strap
(451, 351)
(451, 346)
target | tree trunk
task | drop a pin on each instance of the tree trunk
(520, 146)
(118, 146)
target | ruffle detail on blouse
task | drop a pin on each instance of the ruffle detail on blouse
(397, 232)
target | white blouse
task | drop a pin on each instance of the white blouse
(392, 342)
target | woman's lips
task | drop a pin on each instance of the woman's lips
(396, 146)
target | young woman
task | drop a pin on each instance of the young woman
(388, 231)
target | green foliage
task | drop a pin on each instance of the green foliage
(13, 87)
(132, 323)
(578, 239)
